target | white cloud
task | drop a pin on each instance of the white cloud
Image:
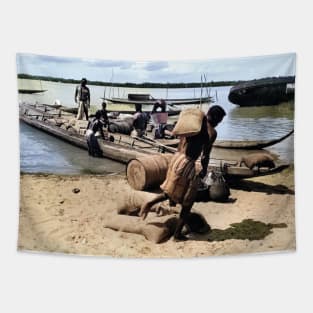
(158, 71)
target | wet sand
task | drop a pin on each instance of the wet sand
(55, 219)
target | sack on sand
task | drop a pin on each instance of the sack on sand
(130, 203)
(156, 231)
(189, 123)
(258, 160)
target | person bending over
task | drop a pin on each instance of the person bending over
(180, 185)
(94, 131)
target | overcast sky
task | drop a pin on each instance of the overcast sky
(158, 71)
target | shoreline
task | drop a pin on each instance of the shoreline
(55, 219)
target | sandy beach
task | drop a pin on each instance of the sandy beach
(53, 218)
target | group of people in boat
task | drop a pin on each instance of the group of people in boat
(98, 125)
(180, 185)
(158, 117)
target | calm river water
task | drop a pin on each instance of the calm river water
(40, 152)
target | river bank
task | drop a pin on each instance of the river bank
(55, 219)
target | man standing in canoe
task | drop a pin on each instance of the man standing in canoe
(180, 185)
(82, 98)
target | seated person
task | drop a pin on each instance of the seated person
(140, 122)
(159, 104)
(104, 116)
(159, 118)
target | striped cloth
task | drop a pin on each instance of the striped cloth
(181, 180)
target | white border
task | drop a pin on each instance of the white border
(157, 30)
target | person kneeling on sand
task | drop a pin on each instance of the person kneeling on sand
(95, 130)
(180, 185)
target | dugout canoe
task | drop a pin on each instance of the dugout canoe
(250, 144)
(125, 148)
(236, 144)
(146, 99)
(75, 110)
(117, 152)
(30, 91)
(224, 144)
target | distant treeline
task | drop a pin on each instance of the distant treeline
(127, 84)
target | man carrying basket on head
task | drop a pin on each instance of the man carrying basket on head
(197, 134)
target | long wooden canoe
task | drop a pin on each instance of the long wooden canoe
(125, 148)
(75, 110)
(224, 144)
(186, 101)
(30, 91)
(249, 144)
(237, 144)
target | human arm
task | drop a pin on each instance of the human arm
(88, 97)
(206, 151)
(76, 93)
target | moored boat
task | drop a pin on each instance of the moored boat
(30, 91)
(121, 109)
(266, 91)
(250, 144)
(223, 144)
(124, 148)
(147, 99)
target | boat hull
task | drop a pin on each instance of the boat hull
(261, 92)
(30, 91)
(189, 101)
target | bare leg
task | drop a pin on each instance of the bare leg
(181, 222)
(145, 208)
(86, 111)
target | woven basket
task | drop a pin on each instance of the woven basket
(189, 123)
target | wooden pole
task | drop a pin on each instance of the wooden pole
(201, 94)
(207, 93)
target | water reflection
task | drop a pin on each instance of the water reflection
(283, 110)
(40, 152)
